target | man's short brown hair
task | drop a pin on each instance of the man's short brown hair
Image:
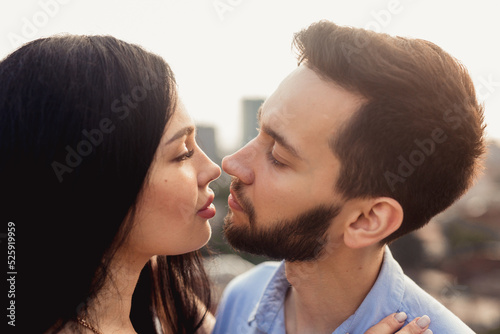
(419, 135)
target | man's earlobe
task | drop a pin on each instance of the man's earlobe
(380, 217)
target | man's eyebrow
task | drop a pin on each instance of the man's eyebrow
(181, 133)
(281, 140)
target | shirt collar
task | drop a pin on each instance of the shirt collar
(268, 307)
(388, 287)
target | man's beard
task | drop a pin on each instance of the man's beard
(300, 239)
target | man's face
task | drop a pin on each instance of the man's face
(283, 199)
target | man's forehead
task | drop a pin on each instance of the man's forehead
(294, 121)
(279, 116)
(307, 110)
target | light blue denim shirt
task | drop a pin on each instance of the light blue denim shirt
(253, 303)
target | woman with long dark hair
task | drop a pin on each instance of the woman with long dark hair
(103, 172)
(106, 190)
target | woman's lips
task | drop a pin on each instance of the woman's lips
(208, 210)
(233, 203)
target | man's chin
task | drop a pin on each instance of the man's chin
(236, 232)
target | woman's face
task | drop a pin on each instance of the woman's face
(174, 208)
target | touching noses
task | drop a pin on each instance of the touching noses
(239, 164)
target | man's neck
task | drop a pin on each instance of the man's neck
(324, 293)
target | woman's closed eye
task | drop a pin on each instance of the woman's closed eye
(185, 155)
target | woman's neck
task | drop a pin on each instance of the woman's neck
(110, 310)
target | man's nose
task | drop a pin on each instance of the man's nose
(240, 164)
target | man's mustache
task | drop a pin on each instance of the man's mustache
(237, 186)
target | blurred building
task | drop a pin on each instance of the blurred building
(456, 257)
(249, 119)
(205, 137)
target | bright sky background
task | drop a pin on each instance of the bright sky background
(223, 50)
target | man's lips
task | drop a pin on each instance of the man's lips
(233, 202)
(208, 210)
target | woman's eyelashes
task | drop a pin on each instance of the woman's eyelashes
(185, 156)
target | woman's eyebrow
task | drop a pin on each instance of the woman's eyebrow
(181, 133)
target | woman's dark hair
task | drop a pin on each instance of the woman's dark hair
(81, 118)
(419, 135)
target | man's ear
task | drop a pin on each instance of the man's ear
(380, 217)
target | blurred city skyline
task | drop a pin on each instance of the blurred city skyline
(225, 50)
